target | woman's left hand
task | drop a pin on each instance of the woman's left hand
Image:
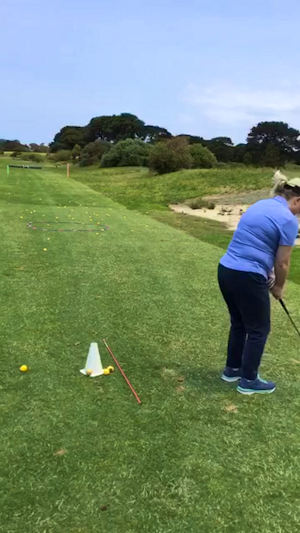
(271, 280)
(277, 292)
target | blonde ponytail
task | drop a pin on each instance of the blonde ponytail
(279, 182)
(283, 186)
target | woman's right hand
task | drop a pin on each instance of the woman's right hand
(277, 292)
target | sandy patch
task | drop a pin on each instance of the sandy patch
(227, 214)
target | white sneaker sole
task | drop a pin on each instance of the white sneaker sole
(248, 392)
(230, 380)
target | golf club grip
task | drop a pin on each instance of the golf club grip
(283, 305)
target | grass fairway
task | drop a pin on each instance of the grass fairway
(134, 188)
(195, 457)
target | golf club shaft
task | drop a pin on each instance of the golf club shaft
(121, 370)
(288, 314)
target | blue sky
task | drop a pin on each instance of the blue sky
(208, 68)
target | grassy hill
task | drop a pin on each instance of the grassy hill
(136, 189)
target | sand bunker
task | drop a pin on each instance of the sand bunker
(226, 210)
(227, 214)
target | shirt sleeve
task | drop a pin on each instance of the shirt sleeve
(289, 232)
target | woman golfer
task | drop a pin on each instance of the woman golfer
(262, 242)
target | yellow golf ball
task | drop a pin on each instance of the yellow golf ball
(24, 368)
(111, 369)
(89, 372)
(106, 371)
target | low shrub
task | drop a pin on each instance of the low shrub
(61, 155)
(37, 158)
(93, 152)
(202, 156)
(128, 153)
(200, 203)
(170, 156)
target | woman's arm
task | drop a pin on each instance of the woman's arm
(282, 267)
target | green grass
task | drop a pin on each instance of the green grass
(183, 461)
(8, 154)
(136, 189)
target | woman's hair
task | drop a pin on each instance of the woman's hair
(285, 187)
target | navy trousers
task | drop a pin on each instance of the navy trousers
(247, 297)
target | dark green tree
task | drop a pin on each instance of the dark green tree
(194, 139)
(222, 148)
(34, 147)
(76, 152)
(115, 128)
(93, 152)
(61, 156)
(273, 156)
(10, 146)
(223, 140)
(39, 148)
(280, 134)
(67, 137)
(247, 159)
(44, 149)
(240, 151)
(154, 134)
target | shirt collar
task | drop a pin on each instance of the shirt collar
(281, 200)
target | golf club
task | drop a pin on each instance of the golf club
(288, 314)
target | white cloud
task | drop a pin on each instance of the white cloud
(229, 104)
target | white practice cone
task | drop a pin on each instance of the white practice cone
(93, 362)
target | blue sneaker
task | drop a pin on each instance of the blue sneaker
(258, 385)
(230, 375)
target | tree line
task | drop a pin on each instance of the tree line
(267, 143)
(125, 139)
(16, 146)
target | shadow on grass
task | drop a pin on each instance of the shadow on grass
(204, 380)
